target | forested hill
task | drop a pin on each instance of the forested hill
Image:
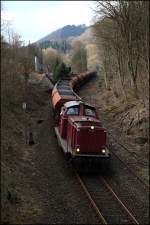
(64, 33)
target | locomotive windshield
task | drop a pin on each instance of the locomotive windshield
(90, 112)
(73, 111)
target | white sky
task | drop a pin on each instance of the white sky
(35, 19)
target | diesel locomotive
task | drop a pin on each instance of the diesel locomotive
(77, 126)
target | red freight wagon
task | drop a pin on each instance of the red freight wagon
(74, 81)
(60, 96)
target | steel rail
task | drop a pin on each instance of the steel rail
(120, 202)
(133, 154)
(99, 214)
(101, 217)
(146, 185)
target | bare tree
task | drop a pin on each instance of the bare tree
(78, 57)
(50, 56)
(122, 29)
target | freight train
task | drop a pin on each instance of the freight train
(79, 131)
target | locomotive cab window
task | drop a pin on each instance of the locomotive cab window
(90, 112)
(73, 111)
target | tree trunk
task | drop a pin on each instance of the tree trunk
(119, 73)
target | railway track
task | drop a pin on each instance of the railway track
(130, 156)
(107, 205)
(132, 159)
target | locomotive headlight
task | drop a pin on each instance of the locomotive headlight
(77, 150)
(103, 151)
(92, 127)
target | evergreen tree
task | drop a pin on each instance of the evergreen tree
(60, 71)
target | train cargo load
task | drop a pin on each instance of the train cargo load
(62, 93)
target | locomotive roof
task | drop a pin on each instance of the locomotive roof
(74, 103)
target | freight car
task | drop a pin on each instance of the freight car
(61, 93)
(77, 126)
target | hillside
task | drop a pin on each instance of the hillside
(86, 37)
(64, 33)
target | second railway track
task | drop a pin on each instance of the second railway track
(108, 206)
(131, 156)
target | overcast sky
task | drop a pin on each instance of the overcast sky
(35, 19)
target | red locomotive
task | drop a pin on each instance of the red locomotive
(78, 128)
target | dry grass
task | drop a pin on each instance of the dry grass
(18, 199)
